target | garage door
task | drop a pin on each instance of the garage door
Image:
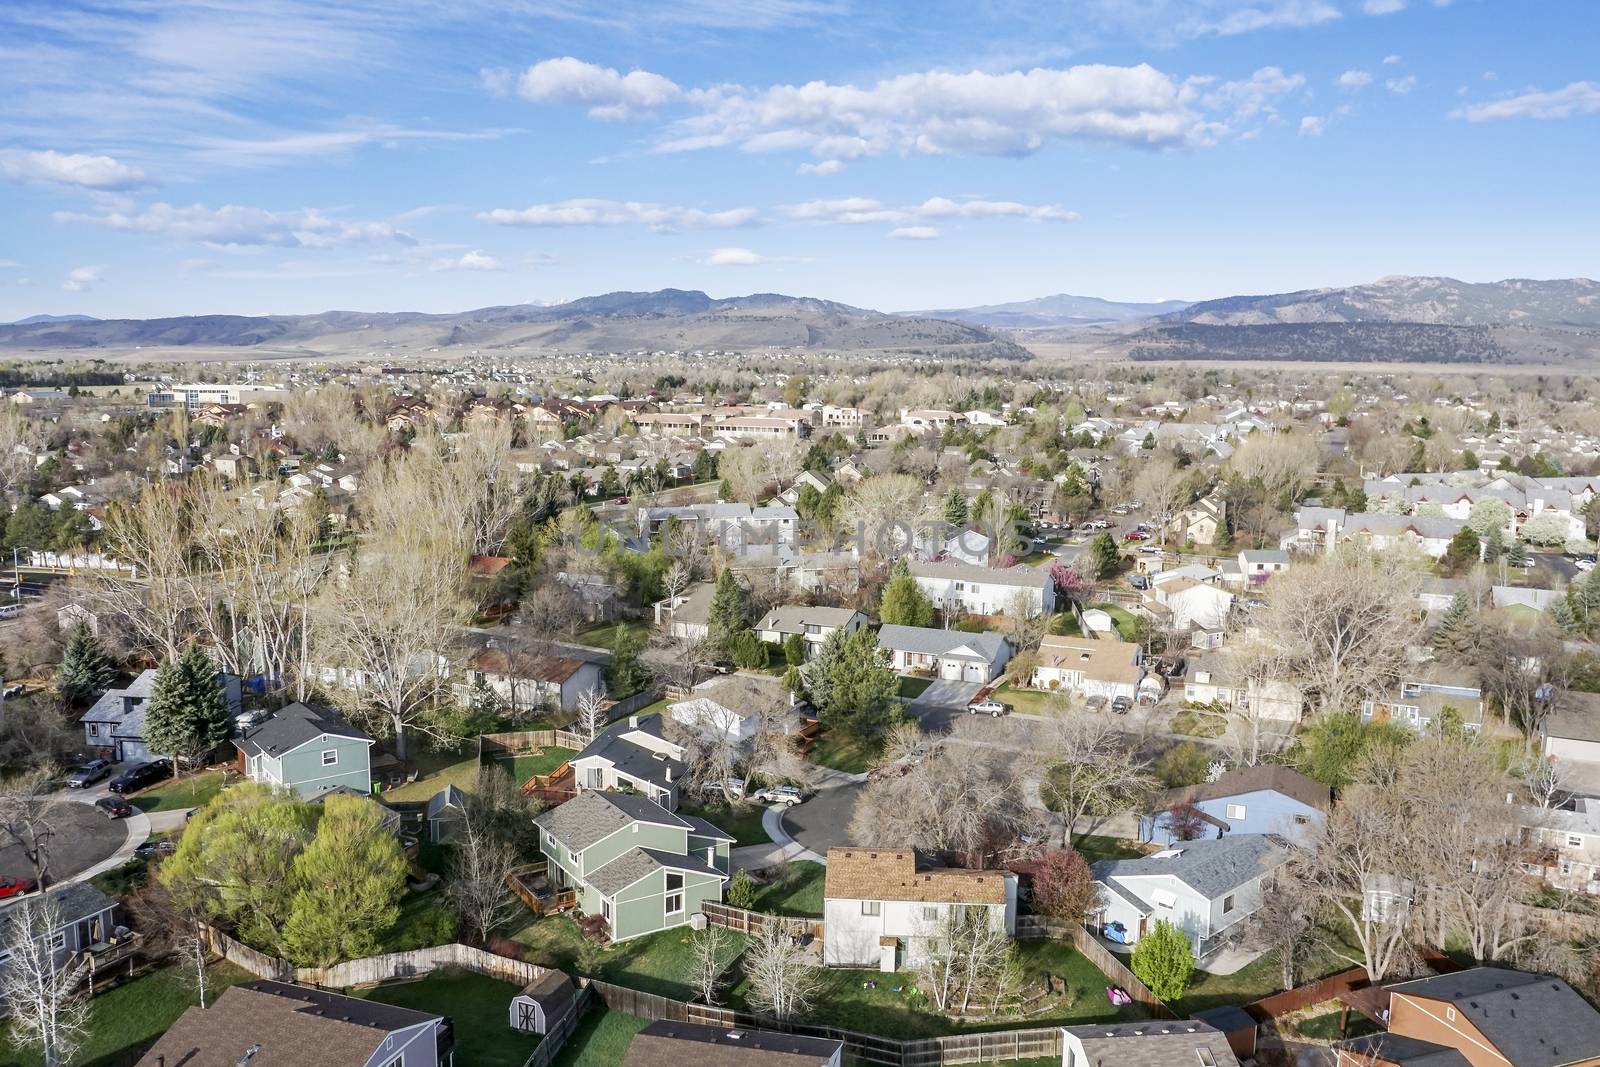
(132, 750)
(950, 668)
(976, 672)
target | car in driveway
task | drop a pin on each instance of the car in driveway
(1097, 524)
(1139, 581)
(783, 794)
(1135, 535)
(89, 774)
(1122, 705)
(15, 887)
(113, 807)
(991, 707)
(1095, 703)
(731, 788)
(1583, 565)
(140, 775)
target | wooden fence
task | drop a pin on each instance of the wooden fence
(1292, 1000)
(754, 922)
(514, 742)
(1034, 927)
(557, 1035)
(374, 969)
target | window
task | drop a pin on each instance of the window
(1301, 820)
(94, 729)
(930, 913)
(1574, 840)
(605, 910)
(1227, 904)
(330, 757)
(675, 903)
(58, 940)
(871, 907)
(1236, 811)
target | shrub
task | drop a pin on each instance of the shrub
(741, 890)
(1183, 764)
(1163, 960)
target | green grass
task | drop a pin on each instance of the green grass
(1036, 557)
(1254, 981)
(1194, 723)
(798, 892)
(526, 765)
(1125, 621)
(1030, 701)
(438, 769)
(1093, 847)
(477, 1004)
(180, 794)
(740, 819)
(911, 688)
(1325, 1027)
(606, 636)
(425, 920)
(125, 1020)
(1065, 624)
(839, 750)
(656, 963)
(601, 1040)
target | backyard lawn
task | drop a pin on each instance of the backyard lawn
(741, 820)
(842, 752)
(1125, 621)
(425, 920)
(606, 636)
(126, 1019)
(911, 687)
(477, 1004)
(1093, 847)
(797, 892)
(601, 1040)
(180, 794)
(1029, 701)
(1255, 980)
(437, 770)
(1196, 723)
(656, 963)
(545, 761)
(1325, 1027)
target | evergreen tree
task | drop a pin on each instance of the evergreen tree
(1462, 552)
(1494, 545)
(1517, 554)
(187, 714)
(794, 650)
(904, 603)
(610, 484)
(1469, 460)
(1149, 441)
(1565, 616)
(1104, 557)
(955, 507)
(1584, 597)
(1163, 959)
(1455, 625)
(729, 614)
(626, 674)
(850, 683)
(748, 651)
(85, 667)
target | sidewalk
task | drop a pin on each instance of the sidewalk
(781, 849)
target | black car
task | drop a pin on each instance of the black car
(140, 775)
(88, 774)
(114, 807)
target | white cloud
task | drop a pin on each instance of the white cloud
(604, 91)
(1312, 126)
(80, 278)
(595, 212)
(1166, 22)
(827, 166)
(1401, 85)
(1578, 98)
(279, 147)
(1354, 79)
(473, 260)
(62, 168)
(914, 233)
(1390, 61)
(1383, 7)
(231, 225)
(733, 257)
(857, 210)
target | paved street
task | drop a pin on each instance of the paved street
(823, 822)
(941, 703)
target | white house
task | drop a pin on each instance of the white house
(687, 614)
(1192, 604)
(812, 623)
(955, 654)
(731, 706)
(879, 905)
(527, 680)
(633, 754)
(1090, 666)
(985, 590)
(1203, 887)
(1572, 731)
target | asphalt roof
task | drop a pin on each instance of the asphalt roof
(1210, 866)
(1153, 1043)
(1262, 777)
(932, 641)
(1405, 1051)
(1535, 1020)
(76, 900)
(1026, 577)
(637, 761)
(716, 1046)
(636, 863)
(595, 814)
(290, 727)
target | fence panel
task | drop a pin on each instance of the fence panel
(557, 1035)
(1292, 1000)
(753, 923)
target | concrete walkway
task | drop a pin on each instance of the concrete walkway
(781, 849)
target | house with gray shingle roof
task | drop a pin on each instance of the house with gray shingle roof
(1149, 1043)
(972, 657)
(985, 590)
(1203, 887)
(812, 623)
(308, 749)
(114, 725)
(632, 861)
(633, 754)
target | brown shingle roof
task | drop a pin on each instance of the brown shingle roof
(1285, 780)
(892, 874)
(713, 1046)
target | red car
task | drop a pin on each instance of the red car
(1135, 535)
(14, 887)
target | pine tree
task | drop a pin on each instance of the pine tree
(904, 603)
(1494, 545)
(85, 667)
(1455, 625)
(1517, 554)
(955, 507)
(1564, 616)
(626, 674)
(729, 614)
(1585, 598)
(850, 683)
(187, 714)
(1104, 557)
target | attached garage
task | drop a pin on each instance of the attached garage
(1572, 733)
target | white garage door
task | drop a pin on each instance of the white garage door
(950, 668)
(976, 672)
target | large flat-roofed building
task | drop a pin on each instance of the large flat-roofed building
(199, 395)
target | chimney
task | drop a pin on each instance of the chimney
(633, 722)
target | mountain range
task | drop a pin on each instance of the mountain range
(1045, 312)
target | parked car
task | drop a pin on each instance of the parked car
(1097, 524)
(114, 807)
(1254, 602)
(1139, 581)
(140, 775)
(783, 794)
(88, 774)
(1135, 535)
(15, 887)
(1171, 668)
(1584, 565)
(1121, 705)
(994, 708)
(155, 848)
(732, 788)
(1153, 550)
(1095, 703)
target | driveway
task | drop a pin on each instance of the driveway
(941, 703)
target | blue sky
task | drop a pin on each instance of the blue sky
(254, 156)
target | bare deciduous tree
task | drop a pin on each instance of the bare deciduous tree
(709, 952)
(481, 864)
(591, 712)
(41, 997)
(963, 955)
(783, 981)
(28, 807)
(1094, 773)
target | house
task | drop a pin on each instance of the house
(1212, 677)
(737, 529)
(1421, 700)
(1488, 1016)
(527, 681)
(1572, 730)
(85, 926)
(633, 753)
(1256, 565)
(114, 726)
(956, 654)
(814, 479)
(274, 1024)
(307, 749)
(1203, 887)
(1202, 521)
(732, 706)
(666, 1042)
(686, 616)
(1190, 604)
(985, 590)
(879, 905)
(632, 861)
(543, 1003)
(1090, 666)
(1265, 799)
(1149, 1043)
(812, 623)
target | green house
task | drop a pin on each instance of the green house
(632, 861)
(307, 749)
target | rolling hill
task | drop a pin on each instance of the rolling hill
(1047, 312)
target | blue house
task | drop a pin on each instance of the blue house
(1266, 799)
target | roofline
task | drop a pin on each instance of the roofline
(612, 896)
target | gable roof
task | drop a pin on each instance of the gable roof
(1021, 577)
(897, 874)
(1211, 867)
(298, 724)
(1534, 1020)
(793, 618)
(1102, 659)
(714, 1046)
(1405, 1051)
(932, 641)
(1260, 778)
(638, 761)
(76, 901)
(637, 863)
(595, 814)
(1153, 1044)
(111, 707)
